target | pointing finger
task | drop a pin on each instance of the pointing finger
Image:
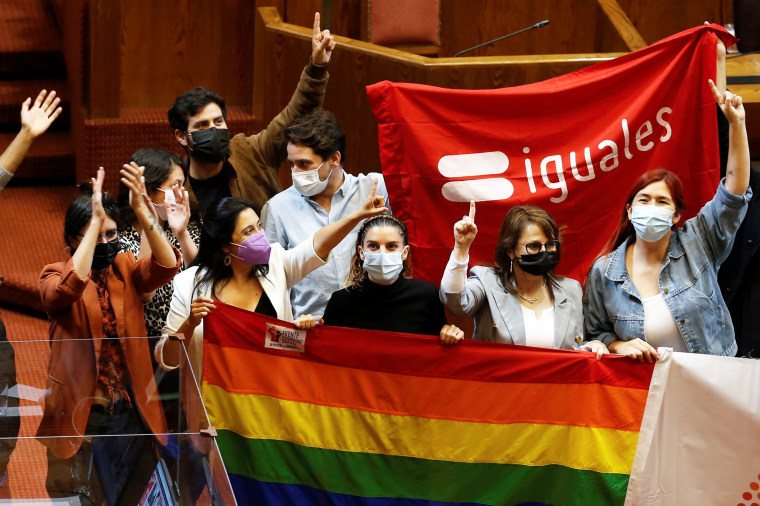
(715, 91)
(317, 29)
(472, 211)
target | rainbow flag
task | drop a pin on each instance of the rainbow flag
(346, 416)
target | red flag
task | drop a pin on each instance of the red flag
(572, 145)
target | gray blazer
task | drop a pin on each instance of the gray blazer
(498, 315)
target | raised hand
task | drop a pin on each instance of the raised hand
(178, 214)
(37, 118)
(465, 229)
(98, 213)
(729, 103)
(374, 205)
(322, 43)
(132, 177)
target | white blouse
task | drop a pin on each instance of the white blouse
(539, 332)
(659, 325)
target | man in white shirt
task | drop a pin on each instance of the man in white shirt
(322, 192)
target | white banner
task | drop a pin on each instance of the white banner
(700, 438)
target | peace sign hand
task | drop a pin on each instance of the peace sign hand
(322, 44)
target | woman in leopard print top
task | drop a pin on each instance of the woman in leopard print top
(164, 180)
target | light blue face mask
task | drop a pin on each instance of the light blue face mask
(383, 268)
(651, 222)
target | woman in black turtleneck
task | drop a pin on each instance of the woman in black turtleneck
(381, 295)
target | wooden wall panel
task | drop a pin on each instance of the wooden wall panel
(578, 26)
(170, 47)
(104, 82)
(656, 19)
(345, 18)
(301, 12)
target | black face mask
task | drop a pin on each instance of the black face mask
(211, 145)
(104, 254)
(539, 264)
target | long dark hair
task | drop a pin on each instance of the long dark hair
(158, 165)
(80, 212)
(219, 223)
(514, 223)
(356, 274)
(624, 229)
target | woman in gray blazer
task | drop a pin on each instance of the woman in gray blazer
(520, 300)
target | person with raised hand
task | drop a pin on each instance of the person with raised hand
(655, 283)
(243, 166)
(164, 180)
(520, 300)
(322, 192)
(100, 378)
(237, 265)
(381, 277)
(35, 120)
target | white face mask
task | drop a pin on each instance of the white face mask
(651, 222)
(308, 183)
(383, 268)
(169, 202)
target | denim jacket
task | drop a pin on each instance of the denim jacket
(688, 281)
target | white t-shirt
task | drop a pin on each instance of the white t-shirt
(659, 325)
(539, 332)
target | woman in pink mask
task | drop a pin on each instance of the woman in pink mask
(237, 265)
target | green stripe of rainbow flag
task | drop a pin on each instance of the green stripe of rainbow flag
(379, 415)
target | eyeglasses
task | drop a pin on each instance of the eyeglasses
(110, 235)
(534, 247)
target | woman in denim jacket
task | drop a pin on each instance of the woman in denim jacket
(659, 286)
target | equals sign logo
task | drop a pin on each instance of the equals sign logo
(476, 164)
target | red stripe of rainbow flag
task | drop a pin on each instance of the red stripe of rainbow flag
(384, 418)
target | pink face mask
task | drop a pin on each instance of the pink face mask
(170, 201)
(255, 250)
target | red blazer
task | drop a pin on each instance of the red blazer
(75, 319)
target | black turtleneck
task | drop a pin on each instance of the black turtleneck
(408, 305)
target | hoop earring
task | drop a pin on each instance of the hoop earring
(227, 259)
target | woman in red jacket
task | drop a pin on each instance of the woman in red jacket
(99, 381)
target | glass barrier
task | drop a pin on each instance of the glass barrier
(67, 438)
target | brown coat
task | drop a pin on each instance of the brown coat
(76, 325)
(254, 160)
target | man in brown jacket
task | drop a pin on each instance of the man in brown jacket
(243, 166)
